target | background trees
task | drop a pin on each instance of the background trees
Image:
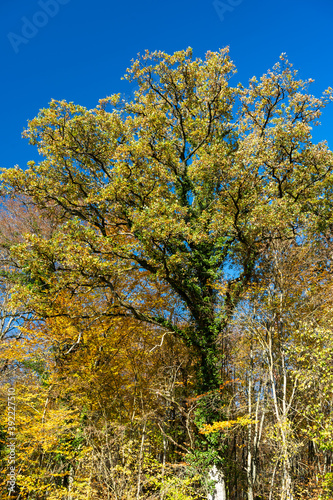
(187, 228)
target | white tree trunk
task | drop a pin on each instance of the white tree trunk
(70, 483)
(219, 491)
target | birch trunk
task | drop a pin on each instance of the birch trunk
(220, 489)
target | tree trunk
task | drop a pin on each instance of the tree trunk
(220, 490)
(70, 483)
(140, 459)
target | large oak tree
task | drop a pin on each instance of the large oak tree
(180, 189)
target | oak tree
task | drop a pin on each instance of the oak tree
(189, 177)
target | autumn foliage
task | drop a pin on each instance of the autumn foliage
(166, 286)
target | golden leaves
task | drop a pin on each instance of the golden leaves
(227, 425)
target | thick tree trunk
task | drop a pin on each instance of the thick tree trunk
(220, 490)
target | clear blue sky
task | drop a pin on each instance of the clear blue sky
(78, 50)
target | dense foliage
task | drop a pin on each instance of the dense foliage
(166, 281)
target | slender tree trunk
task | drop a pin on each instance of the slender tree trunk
(272, 481)
(254, 429)
(249, 468)
(164, 460)
(140, 460)
(70, 483)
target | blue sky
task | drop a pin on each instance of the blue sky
(78, 50)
